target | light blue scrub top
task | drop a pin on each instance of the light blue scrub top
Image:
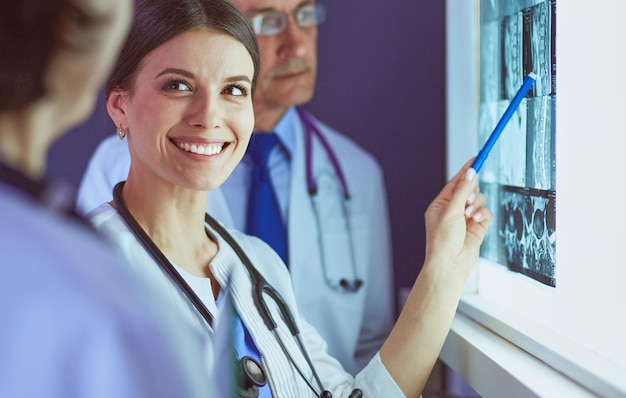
(244, 346)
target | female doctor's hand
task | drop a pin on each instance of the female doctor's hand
(456, 224)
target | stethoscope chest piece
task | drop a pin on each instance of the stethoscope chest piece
(252, 377)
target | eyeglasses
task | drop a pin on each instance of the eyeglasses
(274, 22)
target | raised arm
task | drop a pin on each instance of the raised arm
(452, 249)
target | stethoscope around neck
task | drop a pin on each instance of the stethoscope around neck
(249, 371)
(310, 130)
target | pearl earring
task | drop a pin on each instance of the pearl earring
(121, 133)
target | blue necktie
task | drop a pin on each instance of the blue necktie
(264, 218)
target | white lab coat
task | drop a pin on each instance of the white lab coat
(228, 270)
(354, 324)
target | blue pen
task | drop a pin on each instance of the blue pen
(508, 114)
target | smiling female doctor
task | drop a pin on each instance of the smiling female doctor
(183, 82)
(339, 251)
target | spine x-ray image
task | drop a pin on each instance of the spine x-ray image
(518, 37)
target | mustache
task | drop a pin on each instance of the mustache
(296, 65)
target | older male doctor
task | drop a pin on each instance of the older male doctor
(338, 250)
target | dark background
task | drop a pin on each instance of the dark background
(382, 82)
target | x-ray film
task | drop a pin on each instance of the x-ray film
(537, 55)
(490, 61)
(492, 249)
(540, 143)
(522, 235)
(527, 233)
(513, 152)
(511, 50)
(518, 37)
(487, 118)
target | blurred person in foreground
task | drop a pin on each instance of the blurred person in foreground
(75, 322)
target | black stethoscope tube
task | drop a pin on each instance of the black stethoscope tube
(158, 255)
(259, 286)
(248, 371)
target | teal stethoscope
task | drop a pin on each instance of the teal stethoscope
(310, 130)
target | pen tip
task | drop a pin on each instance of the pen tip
(532, 74)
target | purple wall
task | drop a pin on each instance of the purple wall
(381, 81)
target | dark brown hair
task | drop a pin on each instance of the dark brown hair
(30, 33)
(157, 21)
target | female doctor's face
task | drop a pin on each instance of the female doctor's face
(189, 115)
